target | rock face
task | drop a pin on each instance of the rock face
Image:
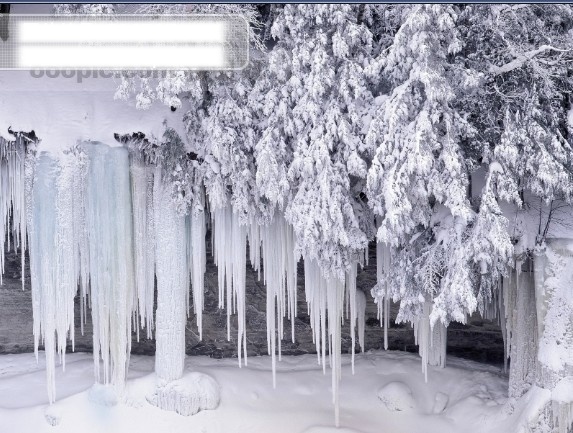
(481, 340)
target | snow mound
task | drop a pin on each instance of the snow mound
(187, 396)
(397, 397)
(104, 395)
(53, 415)
(440, 402)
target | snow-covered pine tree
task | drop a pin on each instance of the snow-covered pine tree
(316, 91)
(419, 167)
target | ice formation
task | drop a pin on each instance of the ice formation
(102, 222)
(279, 266)
(356, 303)
(143, 239)
(325, 299)
(230, 251)
(197, 261)
(519, 301)
(383, 262)
(109, 227)
(54, 279)
(431, 339)
(13, 198)
(172, 283)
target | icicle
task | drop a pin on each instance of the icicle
(383, 262)
(279, 265)
(109, 227)
(172, 283)
(230, 244)
(431, 340)
(361, 317)
(239, 250)
(13, 221)
(143, 239)
(197, 260)
(325, 298)
(351, 296)
(254, 238)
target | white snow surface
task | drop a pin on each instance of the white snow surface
(301, 401)
(63, 111)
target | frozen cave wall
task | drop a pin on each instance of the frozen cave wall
(480, 339)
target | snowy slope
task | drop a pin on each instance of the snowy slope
(476, 397)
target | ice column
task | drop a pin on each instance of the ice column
(172, 283)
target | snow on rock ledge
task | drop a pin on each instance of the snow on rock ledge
(397, 397)
(187, 396)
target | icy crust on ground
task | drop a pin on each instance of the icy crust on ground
(248, 403)
(187, 396)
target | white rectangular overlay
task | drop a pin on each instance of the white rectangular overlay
(126, 42)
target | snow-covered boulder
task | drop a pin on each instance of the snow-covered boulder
(397, 397)
(187, 396)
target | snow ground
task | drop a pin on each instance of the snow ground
(476, 393)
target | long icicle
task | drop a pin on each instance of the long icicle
(279, 265)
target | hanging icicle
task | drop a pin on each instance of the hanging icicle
(197, 261)
(280, 266)
(382, 291)
(13, 166)
(432, 340)
(143, 239)
(230, 250)
(325, 298)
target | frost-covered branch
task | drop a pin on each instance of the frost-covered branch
(522, 58)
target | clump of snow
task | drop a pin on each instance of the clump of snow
(397, 397)
(440, 402)
(103, 395)
(187, 396)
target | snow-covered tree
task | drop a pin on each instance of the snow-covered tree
(312, 100)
